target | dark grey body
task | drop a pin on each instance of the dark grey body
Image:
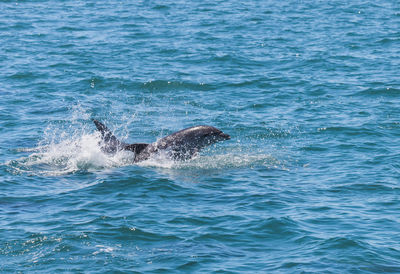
(181, 145)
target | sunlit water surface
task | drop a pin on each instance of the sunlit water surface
(308, 90)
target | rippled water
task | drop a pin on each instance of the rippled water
(308, 90)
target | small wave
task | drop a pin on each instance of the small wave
(343, 243)
(174, 85)
(383, 91)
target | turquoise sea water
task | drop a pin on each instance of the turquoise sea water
(308, 90)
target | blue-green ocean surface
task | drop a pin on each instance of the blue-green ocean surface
(308, 90)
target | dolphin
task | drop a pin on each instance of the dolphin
(181, 145)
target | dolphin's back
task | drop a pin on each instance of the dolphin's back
(184, 144)
(181, 145)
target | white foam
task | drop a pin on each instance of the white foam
(73, 154)
(217, 159)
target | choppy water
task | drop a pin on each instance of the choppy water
(308, 90)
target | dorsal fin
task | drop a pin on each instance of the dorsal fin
(136, 148)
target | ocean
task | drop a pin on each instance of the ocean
(309, 92)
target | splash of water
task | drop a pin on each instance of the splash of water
(74, 154)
